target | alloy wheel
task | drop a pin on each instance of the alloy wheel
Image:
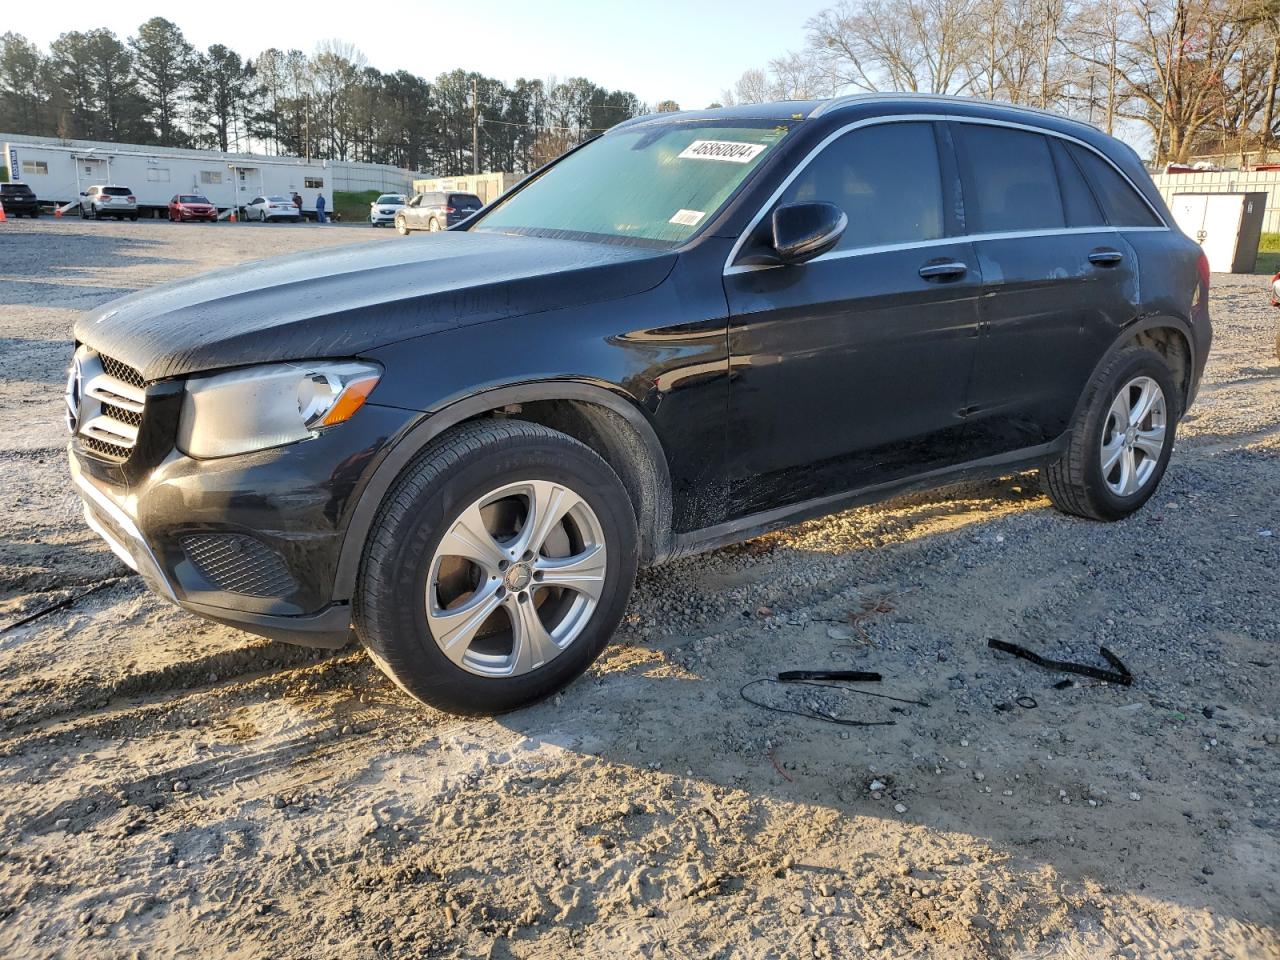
(1133, 436)
(516, 578)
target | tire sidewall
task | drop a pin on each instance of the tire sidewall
(1140, 362)
(398, 603)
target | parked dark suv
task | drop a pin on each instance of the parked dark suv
(436, 210)
(695, 328)
(19, 200)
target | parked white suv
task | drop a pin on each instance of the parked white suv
(384, 209)
(104, 201)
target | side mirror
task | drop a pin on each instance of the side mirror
(83, 193)
(802, 231)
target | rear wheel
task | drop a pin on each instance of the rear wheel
(498, 568)
(434, 225)
(1121, 439)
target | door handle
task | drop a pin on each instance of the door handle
(944, 270)
(1105, 258)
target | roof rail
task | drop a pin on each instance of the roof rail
(846, 99)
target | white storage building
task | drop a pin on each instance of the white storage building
(59, 171)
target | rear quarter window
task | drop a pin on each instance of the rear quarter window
(1010, 184)
(1121, 203)
(1078, 202)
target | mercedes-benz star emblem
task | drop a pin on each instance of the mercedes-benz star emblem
(73, 395)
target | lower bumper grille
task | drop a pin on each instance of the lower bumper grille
(239, 564)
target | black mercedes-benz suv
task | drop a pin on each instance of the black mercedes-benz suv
(692, 329)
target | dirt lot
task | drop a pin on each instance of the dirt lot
(173, 788)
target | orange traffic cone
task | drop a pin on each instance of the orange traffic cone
(3, 218)
(232, 218)
(57, 211)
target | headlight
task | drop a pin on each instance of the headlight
(270, 405)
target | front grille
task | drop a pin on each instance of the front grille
(132, 418)
(107, 451)
(121, 371)
(239, 564)
(112, 398)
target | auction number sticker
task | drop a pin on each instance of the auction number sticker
(728, 151)
(687, 218)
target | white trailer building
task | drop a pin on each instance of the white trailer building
(59, 172)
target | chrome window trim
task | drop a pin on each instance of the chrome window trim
(730, 268)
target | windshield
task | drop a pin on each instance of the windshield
(654, 184)
(390, 198)
(465, 201)
(279, 200)
(191, 198)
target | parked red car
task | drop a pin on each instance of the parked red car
(192, 206)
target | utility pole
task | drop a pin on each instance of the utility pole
(475, 127)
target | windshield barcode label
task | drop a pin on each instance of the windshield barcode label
(726, 150)
(687, 218)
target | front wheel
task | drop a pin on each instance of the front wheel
(1120, 441)
(402, 228)
(497, 569)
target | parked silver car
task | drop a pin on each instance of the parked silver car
(272, 208)
(384, 209)
(105, 201)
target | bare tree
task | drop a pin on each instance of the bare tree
(917, 45)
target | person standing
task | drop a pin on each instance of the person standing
(320, 209)
(297, 203)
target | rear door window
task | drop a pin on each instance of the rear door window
(1078, 202)
(465, 201)
(116, 191)
(1120, 201)
(1009, 180)
(886, 178)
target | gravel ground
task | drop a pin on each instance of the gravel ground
(173, 788)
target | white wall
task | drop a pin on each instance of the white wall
(1227, 181)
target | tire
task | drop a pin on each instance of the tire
(133, 218)
(1076, 482)
(406, 564)
(434, 225)
(402, 228)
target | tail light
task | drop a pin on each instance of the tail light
(449, 210)
(131, 198)
(1204, 269)
(1275, 290)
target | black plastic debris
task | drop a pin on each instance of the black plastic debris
(1120, 674)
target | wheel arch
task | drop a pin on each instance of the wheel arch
(608, 423)
(1170, 336)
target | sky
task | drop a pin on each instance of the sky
(660, 49)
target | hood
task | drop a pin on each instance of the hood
(344, 300)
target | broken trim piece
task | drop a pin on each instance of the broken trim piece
(1120, 674)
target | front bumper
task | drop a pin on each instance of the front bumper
(252, 541)
(382, 218)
